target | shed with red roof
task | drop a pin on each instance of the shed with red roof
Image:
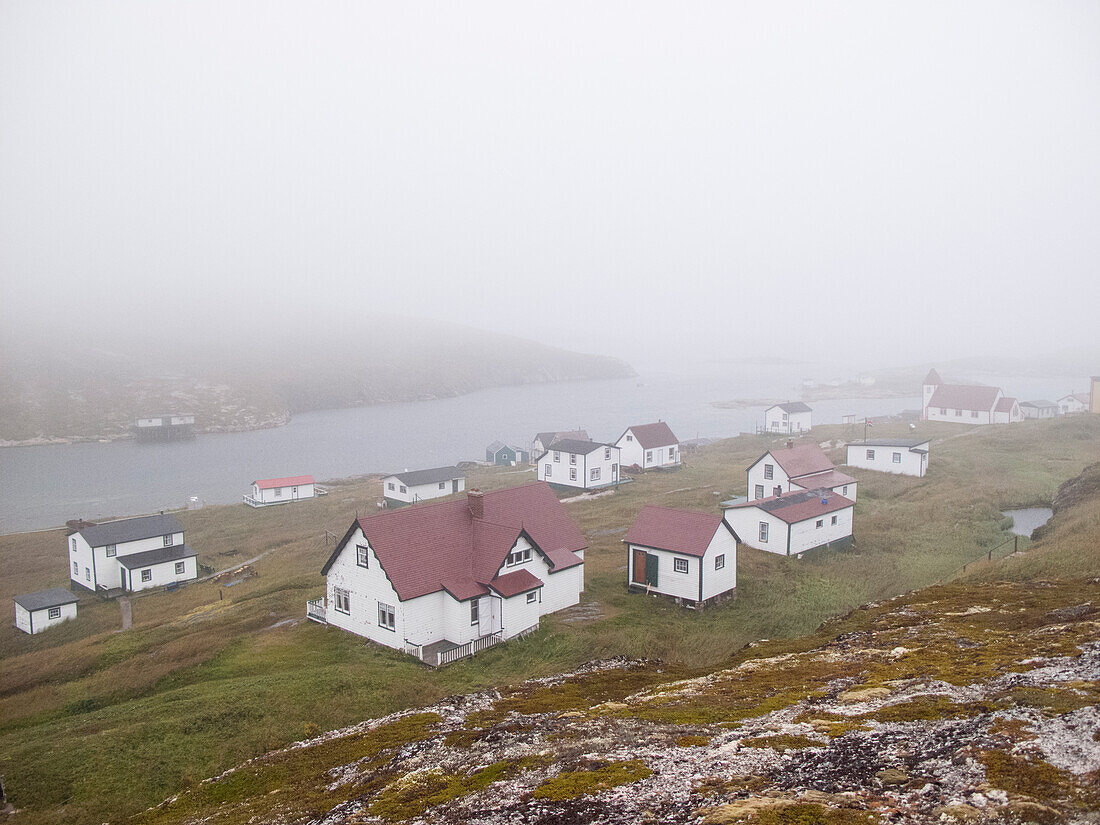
(688, 556)
(267, 491)
(649, 445)
(446, 579)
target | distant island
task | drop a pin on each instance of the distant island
(63, 393)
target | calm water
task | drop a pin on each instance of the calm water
(44, 486)
(1027, 520)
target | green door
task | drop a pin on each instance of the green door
(651, 569)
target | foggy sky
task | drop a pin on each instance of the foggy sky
(908, 181)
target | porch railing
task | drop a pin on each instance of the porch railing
(470, 648)
(315, 610)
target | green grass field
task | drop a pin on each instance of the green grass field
(98, 724)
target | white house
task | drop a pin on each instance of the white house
(131, 554)
(966, 403)
(792, 417)
(1038, 409)
(168, 427)
(543, 441)
(451, 578)
(1077, 402)
(792, 523)
(649, 445)
(585, 465)
(794, 468)
(280, 490)
(688, 556)
(34, 612)
(904, 456)
(421, 485)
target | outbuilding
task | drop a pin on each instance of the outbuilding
(1039, 409)
(422, 485)
(790, 418)
(269, 491)
(506, 455)
(792, 523)
(34, 612)
(648, 446)
(688, 556)
(903, 456)
(584, 465)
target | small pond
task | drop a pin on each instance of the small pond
(1025, 521)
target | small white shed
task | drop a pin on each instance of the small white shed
(791, 418)
(268, 491)
(34, 612)
(902, 456)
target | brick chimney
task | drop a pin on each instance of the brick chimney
(475, 500)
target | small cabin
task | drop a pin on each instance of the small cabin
(35, 612)
(790, 418)
(505, 455)
(410, 487)
(269, 491)
(901, 456)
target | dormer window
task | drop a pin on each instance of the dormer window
(518, 557)
(168, 540)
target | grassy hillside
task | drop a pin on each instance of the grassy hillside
(99, 724)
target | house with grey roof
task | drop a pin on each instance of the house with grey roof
(579, 464)
(1039, 409)
(790, 418)
(131, 554)
(409, 487)
(34, 612)
(901, 456)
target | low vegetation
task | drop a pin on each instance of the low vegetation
(99, 723)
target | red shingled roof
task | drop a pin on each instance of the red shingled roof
(290, 481)
(799, 506)
(512, 584)
(801, 460)
(1005, 405)
(430, 547)
(651, 436)
(829, 478)
(964, 397)
(681, 531)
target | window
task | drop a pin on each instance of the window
(74, 545)
(362, 555)
(55, 613)
(443, 485)
(180, 567)
(518, 557)
(763, 531)
(648, 455)
(680, 565)
(278, 492)
(87, 574)
(168, 540)
(403, 489)
(958, 413)
(572, 473)
(594, 475)
(343, 600)
(897, 458)
(532, 597)
(759, 490)
(784, 418)
(390, 485)
(870, 455)
(606, 453)
(146, 575)
(943, 411)
(834, 520)
(769, 471)
(844, 490)
(547, 470)
(473, 612)
(572, 458)
(386, 618)
(719, 561)
(672, 452)
(777, 491)
(973, 413)
(557, 455)
(820, 523)
(76, 569)
(630, 438)
(111, 550)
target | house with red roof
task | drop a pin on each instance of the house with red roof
(444, 580)
(687, 556)
(649, 445)
(792, 523)
(966, 403)
(794, 468)
(268, 491)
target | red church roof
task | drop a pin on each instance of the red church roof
(680, 531)
(290, 481)
(964, 397)
(443, 546)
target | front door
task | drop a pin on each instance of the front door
(638, 576)
(494, 614)
(651, 569)
(454, 485)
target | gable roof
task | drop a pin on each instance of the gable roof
(572, 445)
(443, 547)
(512, 584)
(799, 460)
(546, 439)
(1004, 404)
(435, 474)
(800, 506)
(828, 478)
(496, 446)
(964, 397)
(791, 407)
(679, 531)
(650, 436)
(289, 481)
(933, 378)
(131, 529)
(54, 597)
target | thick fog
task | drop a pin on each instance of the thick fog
(905, 182)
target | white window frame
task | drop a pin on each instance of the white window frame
(719, 561)
(759, 491)
(390, 485)
(76, 569)
(896, 458)
(181, 567)
(606, 453)
(168, 540)
(278, 492)
(53, 613)
(572, 458)
(111, 550)
(648, 456)
(870, 455)
(147, 575)
(387, 617)
(362, 556)
(518, 557)
(681, 565)
(844, 490)
(819, 524)
(443, 485)
(572, 473)
(404, 489)
(763, 531)
(547, 470)
(74, 545)
(87, 574)
(629, 438)
(341, 600)
(769, 471)
(532, 597)
(834, 521)
(594, 474)
(474, 616)
(557, 455)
